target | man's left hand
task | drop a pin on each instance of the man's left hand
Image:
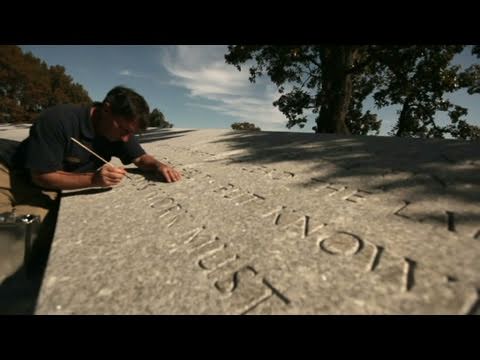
(169, 173)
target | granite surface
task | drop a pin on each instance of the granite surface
(275, 223)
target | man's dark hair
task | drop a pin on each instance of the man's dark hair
(128, 103)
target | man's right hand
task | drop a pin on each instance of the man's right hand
(108, 176)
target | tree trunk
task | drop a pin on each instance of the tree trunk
(405, 121)
(336, 62)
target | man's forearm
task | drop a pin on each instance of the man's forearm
(62, 180)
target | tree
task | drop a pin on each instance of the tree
(418, 78)
(358, 122)
(322, 78)
(245, 126)
(157, 119)
(28, 85)
(470, 79)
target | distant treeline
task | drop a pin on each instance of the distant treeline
(245, 126)
(28, 86)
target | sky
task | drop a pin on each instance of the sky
(194, 87)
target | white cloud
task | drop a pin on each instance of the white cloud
(203, 72)
(127, 72)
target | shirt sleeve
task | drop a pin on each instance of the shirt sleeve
(129, 151)
(46, 145)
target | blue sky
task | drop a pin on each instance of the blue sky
(193, 86)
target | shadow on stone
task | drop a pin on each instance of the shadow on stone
(85, 192)
(160, 134)
(7, 149)
(425, 168)
(148, 175)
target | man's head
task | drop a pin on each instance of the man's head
(123, 113)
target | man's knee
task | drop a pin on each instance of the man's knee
(6, 201)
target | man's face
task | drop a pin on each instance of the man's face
(117, 128)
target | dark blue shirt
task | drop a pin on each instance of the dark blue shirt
(49, 147)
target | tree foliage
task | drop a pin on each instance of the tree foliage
(157, 119)
(418, 78)
(28, 85)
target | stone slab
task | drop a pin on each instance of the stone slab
(275, 223)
